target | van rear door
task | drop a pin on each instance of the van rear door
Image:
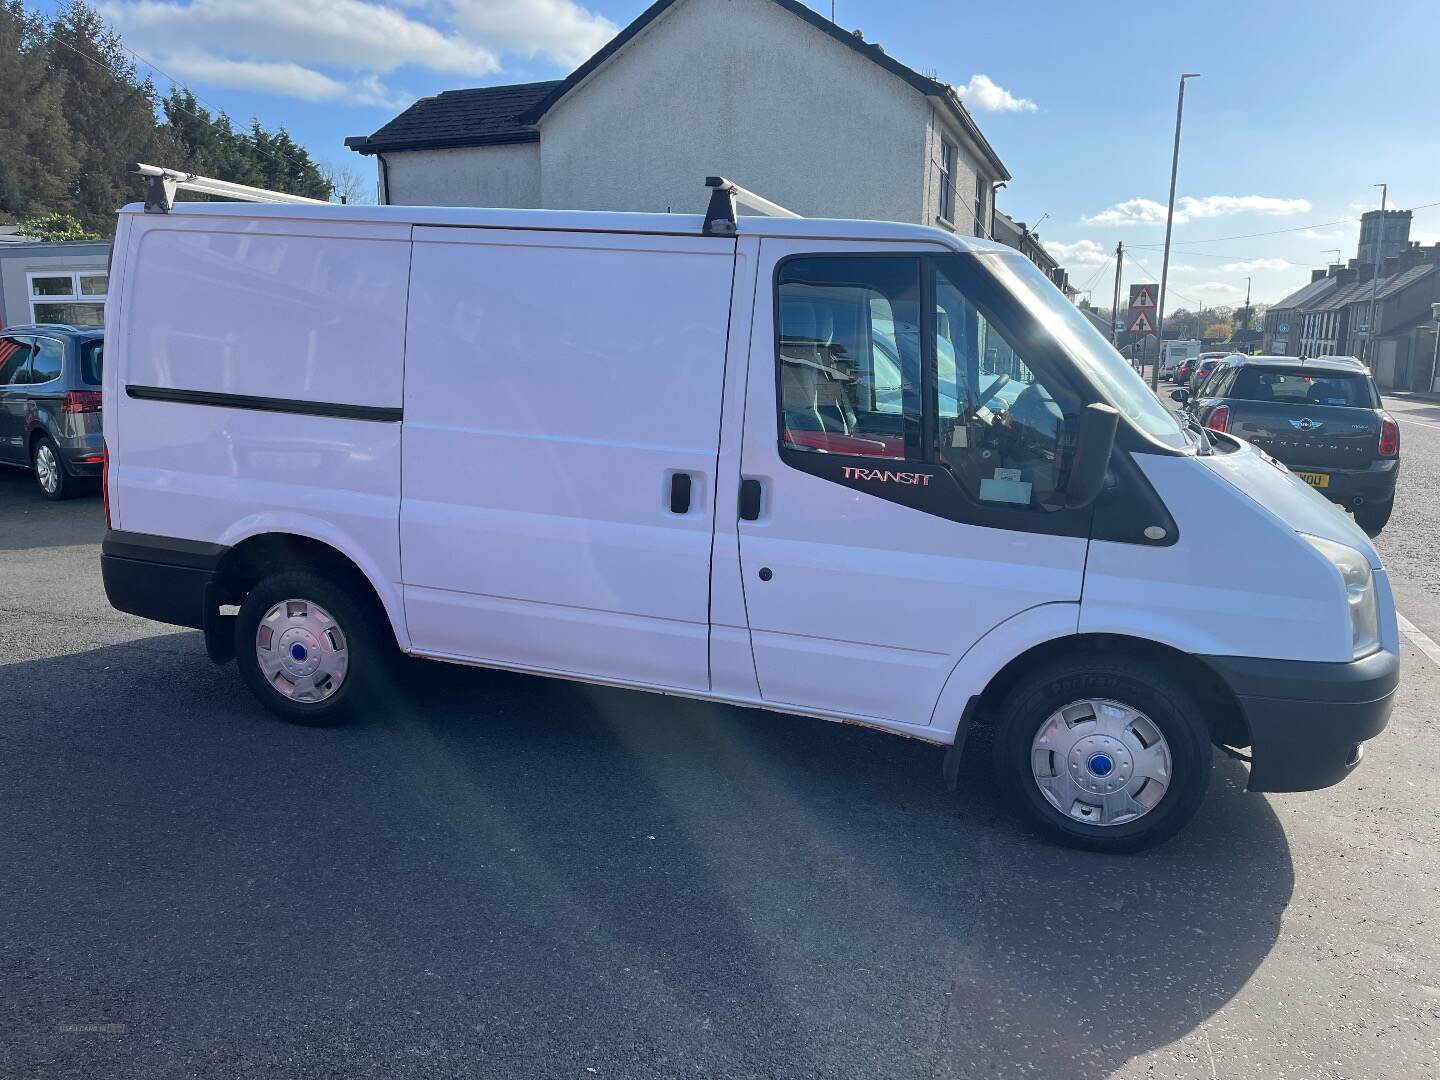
(562, 420)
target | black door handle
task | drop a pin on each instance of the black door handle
(749, 499)
(680, 493)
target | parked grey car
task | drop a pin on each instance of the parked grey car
(50, 404)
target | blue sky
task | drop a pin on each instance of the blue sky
(1300, 111)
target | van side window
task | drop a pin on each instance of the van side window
(13, 354)
(1000, 429)
(849, 355)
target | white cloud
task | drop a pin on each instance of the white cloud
(280, 77)
(1213, 287)
(561, 30)
(1080, 253)
(1316, 234)
(1140, 211)
(352, 34)
(1249, 265)
(1130, 212)
(982, 92)
(336, 50)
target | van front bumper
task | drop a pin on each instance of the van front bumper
(1308, 721)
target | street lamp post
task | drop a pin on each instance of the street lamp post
(1169, 223)
(1435, 365)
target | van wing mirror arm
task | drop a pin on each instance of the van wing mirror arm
(1093, 446)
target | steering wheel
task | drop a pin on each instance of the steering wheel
(991, 390)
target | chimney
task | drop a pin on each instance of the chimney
(1316, 275)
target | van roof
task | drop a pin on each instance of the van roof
(575, 221)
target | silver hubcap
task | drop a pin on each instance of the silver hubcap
(47, 468)
(302, 651)
(1101, 762)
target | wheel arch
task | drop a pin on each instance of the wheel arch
(264, 553)
(1218, 703)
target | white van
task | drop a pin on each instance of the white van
(870, 472)
(1173, 353)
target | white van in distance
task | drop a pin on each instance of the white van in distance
(870, 472)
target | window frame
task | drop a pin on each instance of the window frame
(932, 486)
(949, 158)
(76, 294)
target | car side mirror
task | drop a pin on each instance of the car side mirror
(1093, 446)
(1180, 395)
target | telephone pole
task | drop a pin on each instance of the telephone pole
(1379, 261)
(1115, 304)
(1169, 224)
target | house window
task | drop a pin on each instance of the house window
(76, 297)
(947, 180)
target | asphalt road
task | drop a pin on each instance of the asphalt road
(517, 877)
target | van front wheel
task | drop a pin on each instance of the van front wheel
(309, 651)
(1103, 753)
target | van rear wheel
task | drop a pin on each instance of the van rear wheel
(1103, 753)
(309, 651)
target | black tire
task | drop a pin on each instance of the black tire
(1131, 682)
(367, 682)
(1372, 517)
(61, 484)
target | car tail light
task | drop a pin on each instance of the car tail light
(1219, 418)
(105, 479)
(1389, 437)
(81, 401)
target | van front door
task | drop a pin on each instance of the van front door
(900, 472)
(561, 427)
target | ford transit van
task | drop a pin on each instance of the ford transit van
(870, 472)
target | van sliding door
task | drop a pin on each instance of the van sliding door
(562, 418)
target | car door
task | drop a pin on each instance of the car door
(882, 535)
(15, 353)
(562, 421)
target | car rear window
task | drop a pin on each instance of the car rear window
(92, 361)
(1292, 387)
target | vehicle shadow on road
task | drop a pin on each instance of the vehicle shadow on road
(528, 877)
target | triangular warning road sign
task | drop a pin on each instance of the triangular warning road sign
(1142, 298)
(1142, 323)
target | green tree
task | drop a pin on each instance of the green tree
(37, 162)
(110, 111)
(52, 227)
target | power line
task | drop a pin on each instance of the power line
(276, 154)
(1189, 299)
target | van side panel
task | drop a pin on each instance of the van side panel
(274, 315)
(554, 385)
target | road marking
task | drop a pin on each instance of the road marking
(1419, 638)
(1417, 423)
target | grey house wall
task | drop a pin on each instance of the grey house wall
(747, 90)
(18, 260)
(477, 176)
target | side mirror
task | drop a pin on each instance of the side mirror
(1093, 446)
(1180, 395)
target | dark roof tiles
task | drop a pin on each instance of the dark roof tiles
(483, 116)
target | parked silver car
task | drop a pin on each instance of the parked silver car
(50, 404)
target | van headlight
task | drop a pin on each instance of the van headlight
(1359, 582)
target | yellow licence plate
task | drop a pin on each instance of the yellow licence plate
(1315, 479)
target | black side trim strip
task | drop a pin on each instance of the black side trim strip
(267, 404)
(166, 550)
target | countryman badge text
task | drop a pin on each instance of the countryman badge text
(886, 476)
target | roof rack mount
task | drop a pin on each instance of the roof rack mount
(161, 185)
(720, 216)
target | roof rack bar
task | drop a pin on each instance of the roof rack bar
(161, 185)
(720, 216)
